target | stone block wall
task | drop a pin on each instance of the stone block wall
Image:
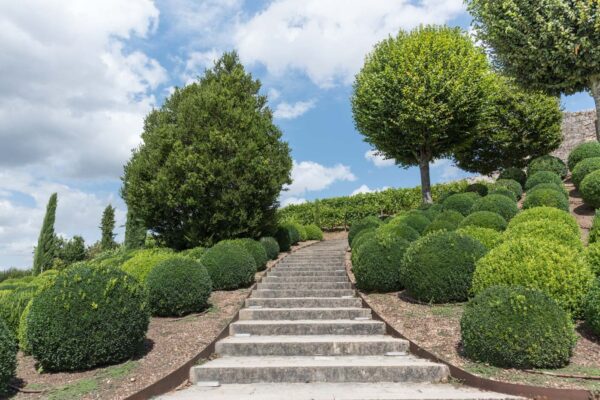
(577, 127)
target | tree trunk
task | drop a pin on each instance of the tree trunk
(425, 180)
(595, 90)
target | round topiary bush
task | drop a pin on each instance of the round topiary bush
(545, 229)
(592, 308)
(302, 231)
(490, 238)
(433, 211)
(447, 220)
(284, 241)
(195, 253)
(484, 219)
(547, 163)
(592, 255)
(552, 186)
(377, 266)
(256, 250)
(516, 327)
(461, 202)
(546, 213)
(293, 232)
(590, 189)
(416, 221)
(513, 173)
(313, 232)
(89, 316)
(583, 168)
(388, 232)
(363, 237)
(438, 268)
(271, 246)
(583, 151)
(511, 185)
(498, 204)
(8, 357)
(542, 177)
(546, 198)
(178, 286)
(504, 192)
(477, 187)
(142, 262)
(537, 263)
(365, 223)
(229, 266)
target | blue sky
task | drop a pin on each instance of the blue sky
(78, 77)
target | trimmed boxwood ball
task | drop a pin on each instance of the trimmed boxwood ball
(89, 316)
(504, 192)
(8, 357)
(195, 253)
(377, 267)
(562, 189)
(484, 219)
(271, 246)
(592, 308)
(388, 232)
(447, 220)
(558, 270)
(433, 211)
(592, 255)
(282, 235)
(499, 204)
(365, 223)
(256, 250)
(513, 173)
(416, 221)
(140, 265)
(583, 168)
(546, 198)
(477, 187)
(229, 265)
(547, 163)
(363, 237)
(545, 229)
(511, 185)
(313, 232)
(542, 177)
(590, 189)
(490, 238)
(583, 151)
(461, 202)
(546, 213)
(178, 286)
(293, 232)
(516, 327)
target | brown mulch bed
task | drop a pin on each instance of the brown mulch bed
(170, 343)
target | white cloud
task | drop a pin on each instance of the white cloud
(197, 62)
(379, 160)
(309, 176)
(292, 200)
(285, 110)
(448, 170)
(365, 189)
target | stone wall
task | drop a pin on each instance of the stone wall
(577, 127)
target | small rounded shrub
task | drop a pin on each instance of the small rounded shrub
(546, 213)
(504, 192)
(513, 173)
(313, 232)
(143, 261)
(8, 357)
(490, 238)
(229, 266)
(194, 253)
(583, 168)
(537, 263)
(461, 202)
(271, 246)
(546, 198)
(364, 236)
(282, 235)
(542, 177)
(293, 232)
(302, 231)
(552, 186)
(447, 220)
(438, 267)
(547, 163)
(516, 327)
(545, 229)
(583, 151)
(592, 255)
(416, 221)
(178, 286)
(484, 219)
(388, 232)
(370, 232)
(499, 204)
(590, 189)
(365, 223)
(378, 265)
(256, 250)
(445, 195)
(89, 316)
(592, 308)
(511, 185)
(477, 187)
(433, 211)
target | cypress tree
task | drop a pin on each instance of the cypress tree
(107, 225)
(46, 246)
(135, 231)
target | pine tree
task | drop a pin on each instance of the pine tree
(135, 231)
(46, 247)
(107, 225)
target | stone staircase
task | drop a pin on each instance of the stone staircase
(304, 334)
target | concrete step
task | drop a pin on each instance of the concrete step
(308, 302)
(337, 273)
(227, 370)
(303, 313)
(308, 327)
(336, 391)
(302, 293)
(317, 345)
(304, 285)
(301, 279)
(309, 268)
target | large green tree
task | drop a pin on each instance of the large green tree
(46, 248)
(107, 227)
(517, 125)
(419, 95)
(553, 45)
(212, 163)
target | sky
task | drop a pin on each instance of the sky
(78, 77)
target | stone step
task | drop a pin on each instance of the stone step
(306, 302)
(325, 345)
(308, 327)
(310, 267)
(304, 285)
(270, 293)
(301, 279)
(337, 273)
(303, 313)
(227, 370)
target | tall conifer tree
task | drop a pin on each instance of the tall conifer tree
(46, 246)
(107, 226)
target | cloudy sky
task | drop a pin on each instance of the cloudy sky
(77, 78)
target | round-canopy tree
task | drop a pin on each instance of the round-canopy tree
(420, 95)
(552, 45)
(212, 162)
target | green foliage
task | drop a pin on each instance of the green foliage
(271, 246)
(446, 220)
(194, 253)
(8, 357)
(313, 232)
(417, 221)
(511, 185)
(461, 202)
(560, 188)
(438, 267)
(490, 238)
(545, 229)
(107, 227)
(293, 232)
(211, 164)
(256, 250)
(365, 223)
(361, 237)
(178, 286)
(545, 198)
(377, 266)
(583, 168)
(135, 232)
(142, 262)
(547, 163)
(583, 151)
(388, 232)
(592, 308)
(478, 187)
(484, 219)
(229, 266)
(547, 213)
(437, 80)
(513, 173)
(498, 204)
(542, 177)
(515, 327)
(504, 192)
(14, 273)
(595, 230)
(590, 189)
(284, 241)
(12, 304)
(592, 256)
(433, 211)
(89, 316)
(45, 250)
(537, 263)
(70, 251)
